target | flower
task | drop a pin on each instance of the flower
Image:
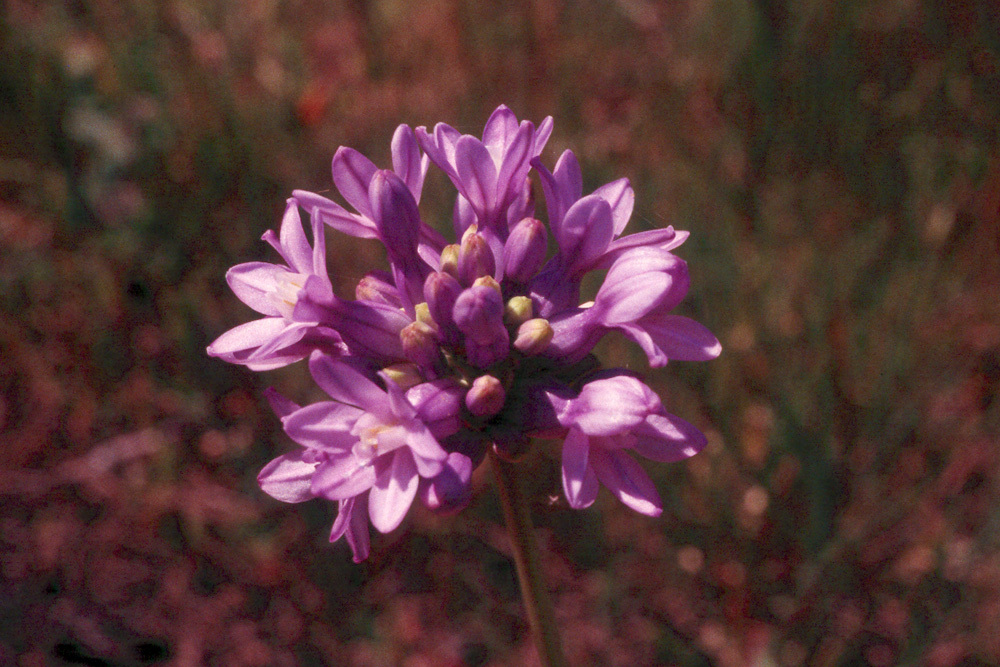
(283, 294)
(458, 349)
(368, 449)
(611, 415)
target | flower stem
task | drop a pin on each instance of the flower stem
(534, 593)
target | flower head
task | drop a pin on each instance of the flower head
(456, 349)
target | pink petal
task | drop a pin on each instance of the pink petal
(681, 338)
(343, 520)
(352, 521)
(659, 239)
(357, 533)
(341, 478)
(285, 339)
(393, 491)
(642, 338)
(477, 175)
(585, 232)
(668, 438)
(407, 162)
(626, 480)
(610, 406)
(542, 134)
(499, 131)
(427, 453)
(236, 344)
(324, 426)
(281, 405)
(334, 215)
(343, 383)
(288, 478)
(629, 299)
(620, 195)
(352, 174)
(578, 479)
(515, 160)
(253, 283)
(295, 247)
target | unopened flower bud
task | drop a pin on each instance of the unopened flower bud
(439, 405)
(441, 290)
(524, 251)
(449, 259)
(469, 231)
(518, 311)
(488, 281)
(533, 336)
(478, 312)
(405, 375)
(420, 344)
(475, 258)
(486, 396)
(423, 314)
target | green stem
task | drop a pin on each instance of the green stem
(535, 594)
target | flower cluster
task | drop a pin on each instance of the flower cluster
(463, 348)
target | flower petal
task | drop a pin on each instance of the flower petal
(499, 130)
(352, 521)
(342, 477)
(281, 405)
(253, 283)
(407, 162)
(626, 480)
(578, 478)
(477, 175)
(345, 384)
(352, 174)
(427, 453)
(449, 491)
(324, 426)
(236, 344)
(293, 245)
(334, 215)
(542, 134)
(393, 491)
(514, 167)
(585, 233)
(357, 533)
(620, 195)
(288, 478)
(667, 438)
(629, 299)
(610, 406)
(281, 343)
(681, 338)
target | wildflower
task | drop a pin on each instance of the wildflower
(611, 415)
(458, 349)
(289, 331)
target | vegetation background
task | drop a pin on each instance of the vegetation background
(837, 165)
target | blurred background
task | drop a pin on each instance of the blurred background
(837, 165)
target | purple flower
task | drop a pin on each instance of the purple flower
(610, 416)
(457, 349)
(367, 442)
(290, 329)
(641, 287)
(489, 174)
(587, 231)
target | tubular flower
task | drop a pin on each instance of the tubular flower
(456, 349)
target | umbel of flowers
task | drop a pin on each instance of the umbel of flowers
(459, 349)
